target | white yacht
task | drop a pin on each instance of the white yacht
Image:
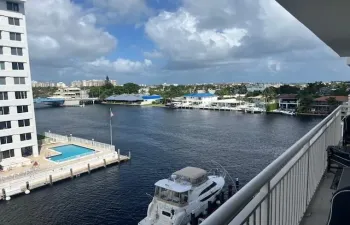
(186, 191)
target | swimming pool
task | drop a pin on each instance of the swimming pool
(70, 152)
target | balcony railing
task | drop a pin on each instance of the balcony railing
(281, 193)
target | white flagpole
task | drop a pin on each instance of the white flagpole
(110, 125)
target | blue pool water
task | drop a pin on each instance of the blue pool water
(70, 152)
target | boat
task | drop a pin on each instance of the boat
(187, 191)
(174, 105)
(254, 110)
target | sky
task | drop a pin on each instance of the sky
(175, 41)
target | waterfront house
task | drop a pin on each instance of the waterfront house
(133, 99)
(198, 99)
(323, 105)
(289, 102)
(70, 93)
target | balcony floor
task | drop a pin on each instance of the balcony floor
(318, 211)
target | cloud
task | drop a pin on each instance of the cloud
(121, 11)
(65, 39)
(119, 65)
(67, 33)
(204, 33)
(178, 36)
(154, 54)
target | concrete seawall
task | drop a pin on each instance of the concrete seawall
(43, 178)
(43, 171)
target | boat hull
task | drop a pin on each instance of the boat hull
(183, 215)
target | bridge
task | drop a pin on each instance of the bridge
(55, 102)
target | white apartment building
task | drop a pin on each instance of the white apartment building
(18, 136)
(91, 83)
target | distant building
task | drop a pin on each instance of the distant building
(91, 83)
(43, 84)
(257, 87)
(61, 85)
(144, 91)
(289, 102)
(321, 106)
(70, 93)
(198, 99)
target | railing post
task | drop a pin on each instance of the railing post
(265, 205)
(307, 176)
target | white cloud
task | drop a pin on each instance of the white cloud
(274, 65)
(177, 34)
(60, 31)
(122, 11)
(64, 39)
(120, 65)
(154, 54)
(206, 33)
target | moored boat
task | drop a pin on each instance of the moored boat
(187, 191)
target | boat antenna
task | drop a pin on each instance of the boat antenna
(232, 180)
(149, 195)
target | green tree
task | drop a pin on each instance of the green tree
(43, 92)
(253, 94)
(287, 89)
(131, 88)
(332, 103)
(108, 83)
(269, 93)
(242, 89)
(305, 103)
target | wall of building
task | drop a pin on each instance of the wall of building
(8, 58)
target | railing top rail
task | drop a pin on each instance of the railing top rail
(225, 213)
(63, 137)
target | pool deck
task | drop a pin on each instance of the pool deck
(43, 171)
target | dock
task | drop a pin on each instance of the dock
(43, 172)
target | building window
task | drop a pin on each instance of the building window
(2, 65)
(26, 137)
(15, 36)
(7, 154)
(20, 94)
(6, 140)
(2, 80)
(5, 110)
(17, 66)
(19, 80)
(22, 109)
(12, 6)
(16, 51)
(5, 125)
(13, 21)
(27, 151)
(1, 50)
(0, 34)
(24, 123)
(4, 96)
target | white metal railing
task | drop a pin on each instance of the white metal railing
(62, 138)
(281, 193)
(14, 181)
(33, 171)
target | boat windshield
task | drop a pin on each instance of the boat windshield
(171, 196)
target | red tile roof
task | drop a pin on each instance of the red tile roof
(338, 98)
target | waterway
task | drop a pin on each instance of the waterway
(161, 141)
